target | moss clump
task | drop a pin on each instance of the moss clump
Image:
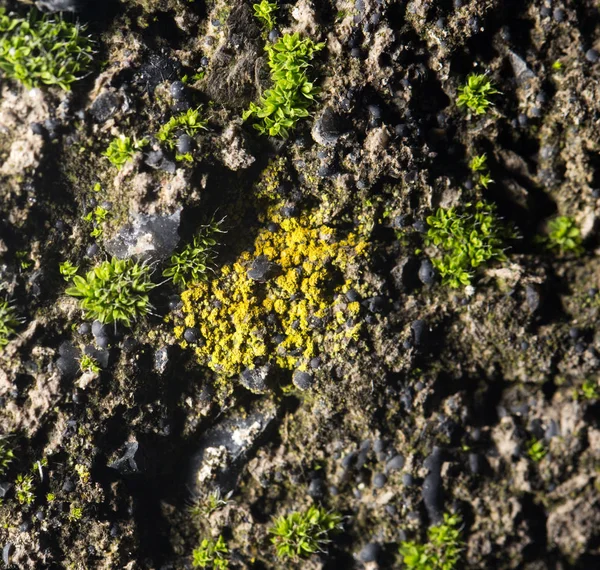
(39, 50)
(211, 554)
(442, 552)
(475, 94)
(466, 241)
(288, 101)
(285, 319)
(114, 291)
(300, 534)
(8, 322)
(564, 236)
(121, 149)
(6, 457)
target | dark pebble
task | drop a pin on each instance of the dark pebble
(420, 226)
(103, 341)
(303, 380)
(352, 296)
(178, 91)
(38, 129)
(580, 348)
(315, 363)
(84, 328)
(408, 480)
(349, 460)
(592, 292)
(99, 329)
(25, 526)
(379, 480)
(273, 35)
(191, 334)
(401, 130)
(7, 553)
(419, 332)
(255, 379)
(533, 297)
(92, 250)
(185, 144)
(317, 489)
(395, 463)
(551, 431)
(369, 552)
(574, 332)
(39, 516)
(262, 269)
(592, 55)
(559, 15)
(545, 12)
(68, 486)
(378, 445)
(204, 61)
(427, 273)
(356, 53)
(475, 463)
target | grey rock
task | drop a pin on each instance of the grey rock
(419, 331)
(329, 127)
(105, 106)
(224, 449)
(68, 360)
(147, 237)
(533, 297)
(7, 553)
(369, 552)
(262, 269)
(127, 464)
(379, 480)
(162, 360)
(427, 273)
(395, 463)
(255, 379)
(303, 380)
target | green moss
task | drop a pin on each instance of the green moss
(114, 291)
(265, 12)
(301, 534)
(475, 94)
(442, 552)
(6, 457)
(121, 149)
(564, 236)
(189, 122)
(41, 50)
(282, 106)
(480, 170)
(466, 241)
(536, 450)
(211, 554)
(24, 489)
(8, 322)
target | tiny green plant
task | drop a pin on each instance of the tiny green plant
(97, 216)
(6, 457)
(466, 241)
(536, 450)
(211, 554)
(40, 50)
(205, 505)
(8, 322)
(122, 148)
(564, 236)
(68, 270)
(480, 170)
(75, 512)
(189, 122)
(114, 291)
(265, 12)
(442, 551)
(292, 94)
(301, 534)
(23, 489)
(88, 364)
(589, 390)
(193, 262)
(475, 94)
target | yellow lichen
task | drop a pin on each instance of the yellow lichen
(245, 323)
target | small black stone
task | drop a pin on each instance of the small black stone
(352, 296)
(99, 329)
(38, 129)
(475, 463)
(356, 53)
(303, 380)
(369, 552)
(419, 332)
(317, 489)
(395, 463)
(39, 516)
(92, 250)
(185, 144)
(273, 35)
(592, 55)
(178, 91)
(580, 348)
(84, 328)
(191, 334)
(574, 332)
(533, 297)
(68, 486)
(559, 15)
(379, 480)
(103, 341)
(408, 480)
(262, 269)
(427, 273)
(25, 526)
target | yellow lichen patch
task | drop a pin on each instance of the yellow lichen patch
(285, 320)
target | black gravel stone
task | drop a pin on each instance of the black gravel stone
(575, 332)
(262, 269)
(349, 460)
(592, 55)
(103, 341)
(178, 91)
(419, 332)
(475, 463)
(68, 360)
(185, 144)
(395, 463)
(255, 379)
(559, 15)
(317, 489)
(432, 491)
(25, 526)
(533, 297)
(427, 273)
(273, 35)
(38, 129)
(7, 553)
(99, 329)
(92, 250)
(408, 480)
(369, 552)
(379, 480)
(84, 328)
(191, 334)
(68, 486)
(303, 380)
(105, 106)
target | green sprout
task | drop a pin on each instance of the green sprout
(300, 534)
(265, 12)
(114, 291)
(39, 50)
(564, 236)
(211, 554)
(75, 512)
(67, 270)
(536, 449)
(281, 107)
(466, 241)
(6, 457)
(8, 322)
(88, 364)
(475, 93)
(97, 216)
(480, 170)
(122, 148)
(24, 262)
(589, 390)
(442, 551)
(188, 122)
(23, 489)
(205, 505)
(195, 259)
